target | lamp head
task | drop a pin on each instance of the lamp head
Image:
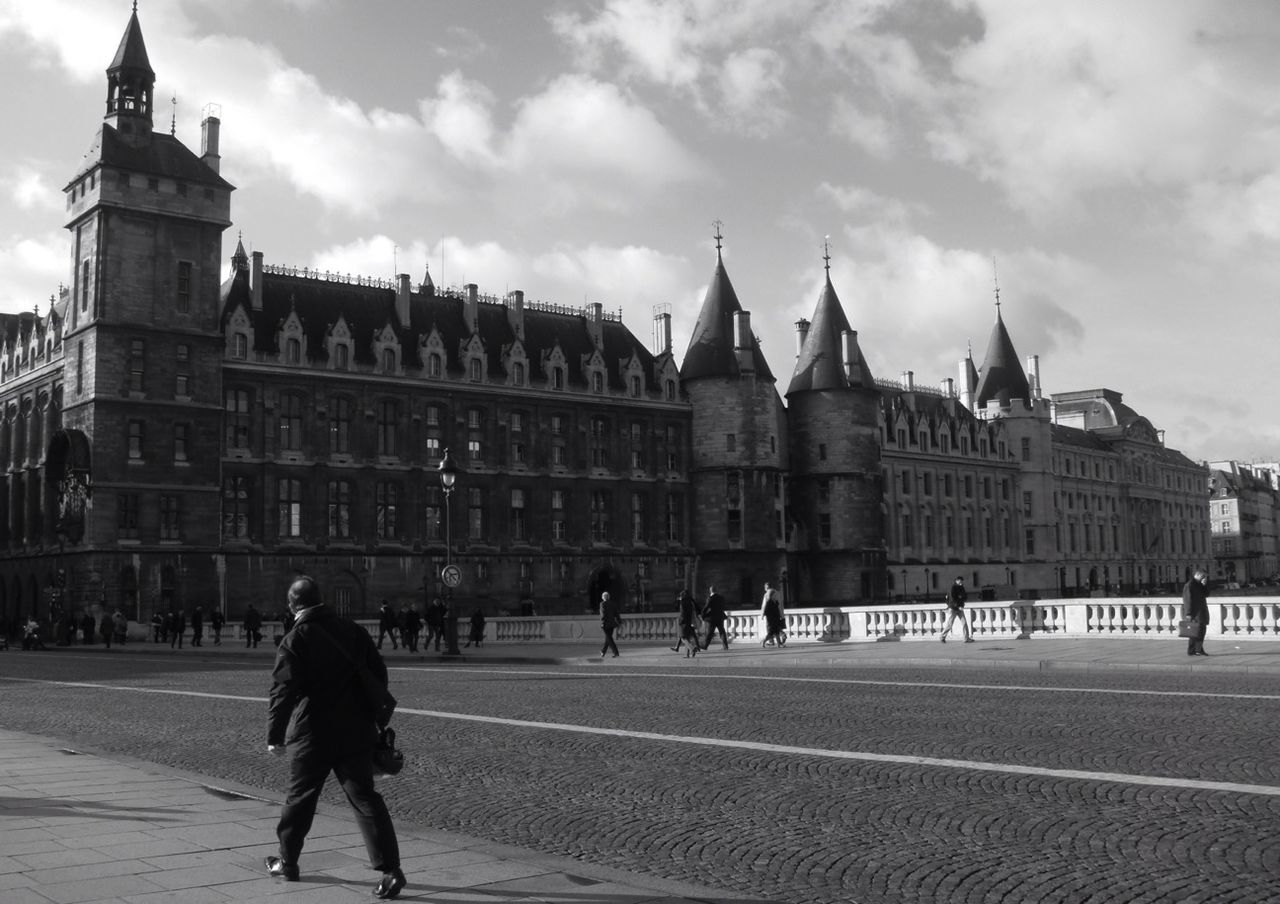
(448, 471)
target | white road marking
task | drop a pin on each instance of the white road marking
(744, 676)
(776, 749)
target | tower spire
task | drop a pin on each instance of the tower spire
(995, 279)
(130, 85)
(826, 254)
(717, 236)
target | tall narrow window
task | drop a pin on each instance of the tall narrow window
(388, 425)
(475, 513)
(137, 364)
(137, 435)
(170, 518)
(432, 515)
(293, 351)
(84, 286)
(733, 506)
(240, 346)
(290, 423)
(237, 418)
(600, 504)
(388, 361)
(341, 357)
(184, 287)
(127, 516)
(340, 426)
(180, 442)
(387, 506)
(675, 518)
(290, 507)
(517, 514)
(80, 366)
(235, 508)
(340, 509)
(558, 529)
(182, 382)
(637, 517)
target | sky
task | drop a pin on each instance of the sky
(1113, 167)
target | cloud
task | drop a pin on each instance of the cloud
(29, 190)
(752, 88)
(33, 269)
(460, 117)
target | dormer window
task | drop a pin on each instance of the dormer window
(597, 383)
(557, 378)
(293, 351)
(341, 357)
(476, 370)
(517, 374)
(240, 347)
(635, 387)
(388, 360)
(671, 390)
(434, 365)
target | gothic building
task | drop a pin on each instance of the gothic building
(170, 438)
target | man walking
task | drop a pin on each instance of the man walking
(252, 627)
(1195, 604)
(319, 711)
(714, 613)
(956, 598)
(610, 619)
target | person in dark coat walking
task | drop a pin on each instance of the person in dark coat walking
(435, 623)
(775, 621)
(1195, 604)
(216, 621)
(688, 621)
(179, 628)
(197, 627)
(387, 625)
(318, 711)
(714, 613)
(610, 620)
(88, 626)
(956, 598)
(252, 627)
(107, 628)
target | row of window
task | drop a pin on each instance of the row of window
(385, 513)
(943, 442)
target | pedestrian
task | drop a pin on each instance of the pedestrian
(179, 622)
(216, 621)
(956, 598)
(1195, 604)
(107, 628)
(166, 627)
(121, 625)
(610, 621)
(318, 711)
(412, 627)
(477, 627)
(252, 627)
(775, 621)
(88, 627)
(688, 622)
(157, 627)
(387, 625)
(197, 627)
(31, 639)
(714, 613)
(435, 622)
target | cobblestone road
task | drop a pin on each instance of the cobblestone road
(785, 824)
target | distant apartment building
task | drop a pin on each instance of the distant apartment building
(1244, 519)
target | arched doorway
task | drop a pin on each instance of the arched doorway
(605, 579)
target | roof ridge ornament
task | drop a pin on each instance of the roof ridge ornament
(718, 236)
(826, 254)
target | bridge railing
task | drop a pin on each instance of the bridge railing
(1252, 618)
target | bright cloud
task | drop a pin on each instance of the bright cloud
(33, 268)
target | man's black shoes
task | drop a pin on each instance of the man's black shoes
(281, 870)
(390, 885)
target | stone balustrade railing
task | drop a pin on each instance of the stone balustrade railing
(1247, 618)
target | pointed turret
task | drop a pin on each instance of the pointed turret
(131, 83)
(1002, 378)
(711, 351)
(239, 259)
(829, 355)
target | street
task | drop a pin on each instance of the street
(805, 785)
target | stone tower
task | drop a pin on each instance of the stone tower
(143, 344)
(739, 448)
(834, 445)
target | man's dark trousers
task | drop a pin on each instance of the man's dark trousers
(354, 771)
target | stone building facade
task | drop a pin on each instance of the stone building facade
(171, 438)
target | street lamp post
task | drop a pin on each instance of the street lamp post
(449, 575)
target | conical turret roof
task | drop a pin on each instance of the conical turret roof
(1002, 377)
(711, 352)
(132, 52)
(820, 364)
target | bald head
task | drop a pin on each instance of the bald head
(304, 593)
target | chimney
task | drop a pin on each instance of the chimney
(402, 298)
(471, 311)
(255, 281)
(802, 333)
(909, 380)
(515, 312)
(1033, 375)
(948, 388)
(595, 314)
(967, 388)
(662, 333)
(850, 356)
(742, 341)
(209, 133)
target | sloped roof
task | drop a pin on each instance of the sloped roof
(1002, 377)
(162, 155)
(820, 364)
(710, 352)
(367, 309)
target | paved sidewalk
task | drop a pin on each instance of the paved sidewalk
(1227, 654)
(80, 828)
